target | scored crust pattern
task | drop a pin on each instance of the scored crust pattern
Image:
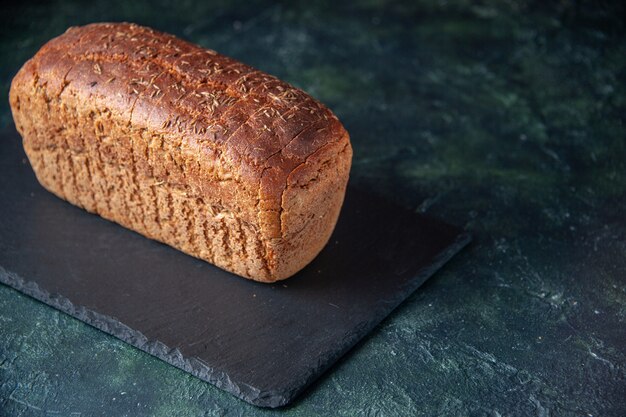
(185, 146)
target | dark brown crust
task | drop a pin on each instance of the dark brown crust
(232, 136)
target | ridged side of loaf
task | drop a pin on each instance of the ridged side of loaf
(185, 146)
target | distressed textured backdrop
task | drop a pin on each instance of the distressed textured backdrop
(506, 116)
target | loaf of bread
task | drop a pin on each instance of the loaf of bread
(184, 145)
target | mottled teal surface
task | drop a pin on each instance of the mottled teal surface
(506, 116)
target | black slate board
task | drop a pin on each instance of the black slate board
(263, 343)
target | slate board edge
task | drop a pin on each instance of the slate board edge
(286, 397)
(198, 368)
(135, 338)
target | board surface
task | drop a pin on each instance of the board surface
(263, 343)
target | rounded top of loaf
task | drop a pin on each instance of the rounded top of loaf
(166, 84)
